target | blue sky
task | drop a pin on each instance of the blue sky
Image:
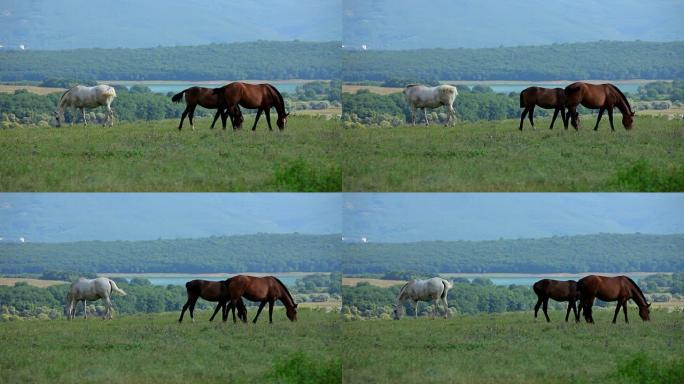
(401, 217)
(59, 217)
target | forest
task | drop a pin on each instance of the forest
(245, 253)
(264, 60)
(609, 60)
(570, 254)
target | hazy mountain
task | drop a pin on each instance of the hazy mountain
(45, 24)
(121, 216)
(406, 24)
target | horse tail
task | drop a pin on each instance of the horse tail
(285, 288)
(624, 98)
(447, 286)
(178, 96)
(116, 289)
(281, 101)
(638, 289)
(522, 94)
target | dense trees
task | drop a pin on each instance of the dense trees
(599, 60)
(265, 60)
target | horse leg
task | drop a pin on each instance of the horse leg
(261, 306)
(270, 311)
(624, 309)
(216, 116)
(522, 118)
(192, 311)
(256, 119)
(567, 314)
(610, 118)
(218, 306)
(426, 118)
(415, 309)
(191, 114)
(599, 118)
(85, 310)
(267, 112)
(85, 123)
(617, 311)
(553, 120)
(545, 306)
(109, 305)
(536, 306)
(565, 123)
(531, 116)
(185, 307)
(185, 113)
(446, 307)
(413, 114)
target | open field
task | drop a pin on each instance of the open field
(155, 156)
(496, 156)
(352, 281)
(513, 348)
(349, 88)
(155, 348)
(10, 281)
(8, 88)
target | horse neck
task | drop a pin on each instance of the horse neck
(285, 298)
(637, 295)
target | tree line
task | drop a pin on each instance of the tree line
(267, 60)
(610, 60)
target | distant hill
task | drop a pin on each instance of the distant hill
(406, 24)
(264, 60)
(573, 254)
(68, 24)
(250, 253)
(610, 60)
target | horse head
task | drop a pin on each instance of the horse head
(282, 121)
(644, 312)
(291, 313)
(59, 116)
(396, 312)
(628, 120)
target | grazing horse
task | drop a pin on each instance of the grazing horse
(261, 97)
(603, 97)
(435, 289)
(559, 291)
(82, 97)
(206, 98)
(211, 291)
(91, 289)
(420, 96)
(619, 288)
(546, 98)
(263, 289)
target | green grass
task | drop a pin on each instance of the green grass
(155, 348)
(155, 156)
(514, 348)
(496, 156)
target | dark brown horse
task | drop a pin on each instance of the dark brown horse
(620, 289)
(559, 291)
(205, 97)
(212, 291)
(261, 97)
(546, 98)
(262, 289)
(603, 97)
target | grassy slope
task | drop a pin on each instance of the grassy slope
(154, 156)
(496, 156)
(510, 348)
(155, 348)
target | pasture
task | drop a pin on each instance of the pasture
(155, 348)
(513, 348)
(496, 156)
(155, 156)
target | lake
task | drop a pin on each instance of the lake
(175, 87)
(529, 280)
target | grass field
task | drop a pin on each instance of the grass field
(496, 156)
(155, 348)
(155, 156)
(513, 348)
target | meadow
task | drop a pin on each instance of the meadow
(514, 348)
(496, 156)
(155, 156)
(155, 348)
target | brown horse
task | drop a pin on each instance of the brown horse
(261, 97)
(212, 291)
(603, 97)
(206, 98)
(263, 289)
(546, 98)
(620, 289)
(559, 291)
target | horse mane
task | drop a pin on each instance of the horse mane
(638, 289)
(64, 94)
(624, 98)
(285, 288)
(278, 95)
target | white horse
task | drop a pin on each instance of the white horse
(91, 289)
(420, 96)
(81, 97)
(435, 289)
